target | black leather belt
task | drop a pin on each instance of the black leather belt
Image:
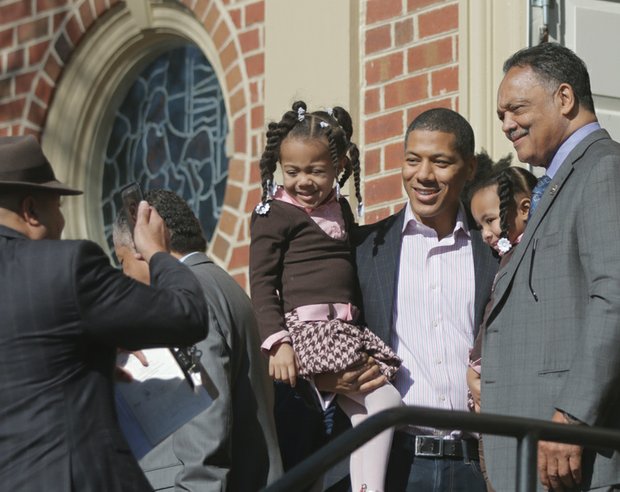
(438, 447)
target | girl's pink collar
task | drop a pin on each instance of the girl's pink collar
(282, 195)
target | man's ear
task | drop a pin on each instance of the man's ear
(472, 165)
(566, 97)
(28, 211)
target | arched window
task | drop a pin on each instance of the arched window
(170, 132)
(151, 94)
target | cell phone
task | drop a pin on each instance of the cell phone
(131, 196)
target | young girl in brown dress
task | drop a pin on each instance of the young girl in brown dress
(302, 271)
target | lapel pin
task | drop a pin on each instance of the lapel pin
(554, 188)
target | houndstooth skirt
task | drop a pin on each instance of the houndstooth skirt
(335, 345)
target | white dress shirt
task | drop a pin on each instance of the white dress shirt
(434, 316)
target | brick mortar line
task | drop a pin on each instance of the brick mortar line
(384, 174)
(33, 18)
(375, 55)
(420, 40)
(416, 12)
(407, 75)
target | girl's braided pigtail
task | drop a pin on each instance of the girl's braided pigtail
(268, 166)
(276, 133)
(354, 156)
(505, 192)
(353, 166)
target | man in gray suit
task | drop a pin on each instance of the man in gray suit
(551, 348)
(232, 445)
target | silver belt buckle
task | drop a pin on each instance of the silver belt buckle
(433, 453)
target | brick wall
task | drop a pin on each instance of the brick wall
(408, 57)
(237, 29)
(409, 64)
(37, 38)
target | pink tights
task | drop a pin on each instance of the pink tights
(369, 462)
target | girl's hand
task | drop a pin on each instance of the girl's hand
(282, 366)
(473, 382)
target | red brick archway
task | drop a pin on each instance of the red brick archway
(37, 40)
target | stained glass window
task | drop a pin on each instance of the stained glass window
(170, 132)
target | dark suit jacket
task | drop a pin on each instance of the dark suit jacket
(232, 445)
(63, 312)
(553, 335)
(378, 258)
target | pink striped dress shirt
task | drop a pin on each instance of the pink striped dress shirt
(434, 316)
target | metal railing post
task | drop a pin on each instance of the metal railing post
(527, 432)
(527, 453)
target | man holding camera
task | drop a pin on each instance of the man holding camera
(64, 310)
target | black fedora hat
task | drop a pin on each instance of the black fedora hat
(23, 165)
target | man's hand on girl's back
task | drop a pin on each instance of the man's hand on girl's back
(364, 377)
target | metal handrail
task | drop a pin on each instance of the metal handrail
(527, 432)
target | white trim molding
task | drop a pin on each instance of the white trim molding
(94, 84)
(489, 32)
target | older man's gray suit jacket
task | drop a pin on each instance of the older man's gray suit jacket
(231, 446)
(553, 337)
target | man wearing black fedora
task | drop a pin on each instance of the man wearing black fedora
(64, 310)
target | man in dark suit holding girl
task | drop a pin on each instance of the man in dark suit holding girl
(425, 276)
